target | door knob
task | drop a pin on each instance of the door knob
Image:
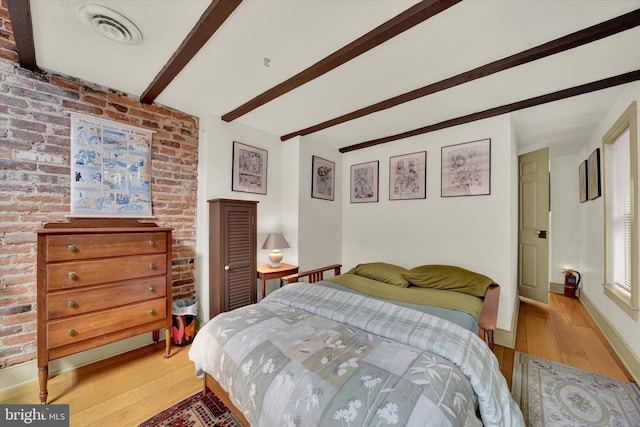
(542, 234)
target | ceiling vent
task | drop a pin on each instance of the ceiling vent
(110, 24)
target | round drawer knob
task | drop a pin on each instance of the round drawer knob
(152, 266)
(227, 267)
(72, 248)
(152, 243)
(152, 312)
(71, 303)
(71, 332)
(72, 275)
(152, 289)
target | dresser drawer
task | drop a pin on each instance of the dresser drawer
(67, 275)
(101, 297)
(79, 328)
(68, 247)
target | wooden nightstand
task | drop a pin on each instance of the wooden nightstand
(266, 272)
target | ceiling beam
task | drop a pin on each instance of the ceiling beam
(210, 21)
(579, 38)
(508, 108)
(402, 22)
(20, 15)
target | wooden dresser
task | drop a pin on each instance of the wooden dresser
(100, 281)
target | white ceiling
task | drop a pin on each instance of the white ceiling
(295, 34)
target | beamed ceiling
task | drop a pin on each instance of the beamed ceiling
(355, 73)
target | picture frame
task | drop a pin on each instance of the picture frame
(364, 182)
(323, 178)
(249, 169)
(582, 179)
(466, 169)
(593, 175)
(110, 169)
(408, 176)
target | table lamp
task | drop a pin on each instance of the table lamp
(275, 242)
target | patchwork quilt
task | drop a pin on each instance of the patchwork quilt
(310, 355)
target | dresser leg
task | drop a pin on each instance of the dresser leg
(167, 337)
(43, 377)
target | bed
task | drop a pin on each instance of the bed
(328, 352)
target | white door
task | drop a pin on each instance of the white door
(533, 226)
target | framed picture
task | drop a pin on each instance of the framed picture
(466, 169)
(408, 176)
(364, 182)
(110, 169)
(323, 181)
(582, 177)
(593, 174)
(249, 169)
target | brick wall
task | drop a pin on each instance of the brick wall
(35, 179)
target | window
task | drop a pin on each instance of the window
(619, 146)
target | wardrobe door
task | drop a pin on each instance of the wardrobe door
(232, 254)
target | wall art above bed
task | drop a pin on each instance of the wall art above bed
(323, 173)
(408, 176)
(110, 168)
(466, 169)
(364, 182)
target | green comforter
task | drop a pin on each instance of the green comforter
(413, 294)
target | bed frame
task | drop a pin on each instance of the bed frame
(486, 327)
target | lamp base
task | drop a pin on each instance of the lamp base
(276, 258)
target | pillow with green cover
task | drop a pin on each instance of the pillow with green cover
(448, 277)
(382, 272)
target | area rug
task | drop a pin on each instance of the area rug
(553, 394)
(197, 410)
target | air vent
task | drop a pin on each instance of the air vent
(110, 24)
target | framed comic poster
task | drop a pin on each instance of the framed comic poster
(110, 168)
(249, 169)
(364, 182)
(466, 169)
(323, 174)
(408, 176)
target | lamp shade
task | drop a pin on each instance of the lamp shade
(275, 241)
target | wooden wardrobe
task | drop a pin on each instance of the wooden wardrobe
(232, 254)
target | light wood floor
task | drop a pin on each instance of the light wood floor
(144, 383)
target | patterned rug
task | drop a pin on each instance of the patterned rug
(197, 410)
(552, 394)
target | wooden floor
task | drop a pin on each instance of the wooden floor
(144, 383)
(562, 331)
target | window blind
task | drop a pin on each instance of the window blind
(618, 191)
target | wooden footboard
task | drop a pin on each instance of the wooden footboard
(489, 314)
(313, 275)
(212, 385)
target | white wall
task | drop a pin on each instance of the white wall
(565, 237)
(320, 220)
(215, 154)
(592, 229)
(475, 232)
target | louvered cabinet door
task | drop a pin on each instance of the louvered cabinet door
(232, 254)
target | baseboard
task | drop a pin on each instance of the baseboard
(556, 288)
(26, 372)
(628, 358)
(508, 338)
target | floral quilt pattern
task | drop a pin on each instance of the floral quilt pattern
(310, 355)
